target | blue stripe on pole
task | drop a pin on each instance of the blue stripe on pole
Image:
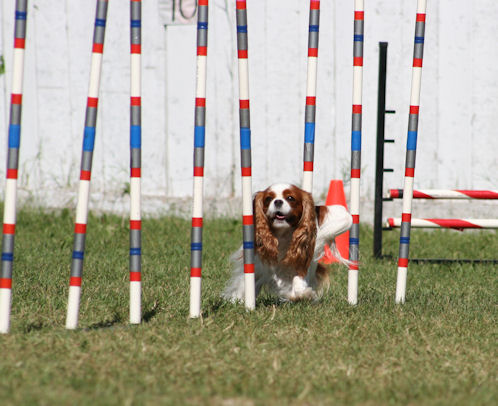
(196, 246)
(100, 22)
(309, 133)
(7, 256)
(248, 245)
(14, 135)
(202, 25)
(136, 23)
(358, 37)
(242, 28)
(354, 241)
(136, 136)
(355, 140)
(78, 254)
(419, 40)
(411, 142)
(314, 28)
(88, 138)
(245, 138)
(21, 15)
(135, 251)
(199, 133)
(404, 240)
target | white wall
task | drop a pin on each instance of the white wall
(457, 147)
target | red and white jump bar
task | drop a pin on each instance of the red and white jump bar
(457, 224)
(445, 194)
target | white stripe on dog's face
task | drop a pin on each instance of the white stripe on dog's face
(279, 206)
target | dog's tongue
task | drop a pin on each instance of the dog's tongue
(279, 216)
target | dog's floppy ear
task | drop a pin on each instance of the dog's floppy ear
(302, 246)
(266, 244)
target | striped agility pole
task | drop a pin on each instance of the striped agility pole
(457, 224)
(310, 109)
(245, 155)
(9, 211)
(135, 162)
(199, 134)
(446, 194)
(86, 167)
(354, 236)
(411, 147)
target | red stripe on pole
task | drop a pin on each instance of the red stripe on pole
(454, 223)
(357, 108)
(355, 173)
(244, 104)
(356, 218)
(98, 48)
(80, 228)
(403, 262)
(358, 61)
(9, 228)
(420, 195)
(414, 109)
(354, 266)
(417, 62)
(308, 166)
(195, 272)
(135, 224)
(420, 18)
(246, 171)
(196, 221)
(241, 4)
(198, 171)
(135, 172)
(310, 100)
(5, 283)
(92, 102)
(136, 101)
(479, 194)
(136, 48)
(135, 276)
(248, 220)
(394, 193)
(410, 172)
(200, 102)
(359, 15)
(12, 173)
(19, 43)
(202, 51)
(315, 4)
(391, 222)
(242, 53)
(203, 2)
(248, 268)
(16, 98)
(313, 52)
(85, 175)
(75, 281)
(406, 217)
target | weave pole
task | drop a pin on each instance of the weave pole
(458, 194)
(310, 109)
(135, 162)
(354, 233)
(9, 211)
(411, 148)
(199, 135)
(245, 155)
(456, 224)
(86, 168)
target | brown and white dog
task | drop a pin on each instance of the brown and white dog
(290, 235)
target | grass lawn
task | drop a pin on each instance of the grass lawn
(439, 348)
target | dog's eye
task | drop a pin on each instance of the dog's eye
(268, 200)
(290, 199)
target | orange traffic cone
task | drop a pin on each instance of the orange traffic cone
(336, 196)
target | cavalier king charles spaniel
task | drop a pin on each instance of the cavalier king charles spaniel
(290, 235)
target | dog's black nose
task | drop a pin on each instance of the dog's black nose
(278, 203)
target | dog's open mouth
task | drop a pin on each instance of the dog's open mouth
(280, 216)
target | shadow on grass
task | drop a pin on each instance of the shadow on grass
(105, 323)
(213, 306)
(150, 313)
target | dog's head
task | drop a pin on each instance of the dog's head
(280, 209)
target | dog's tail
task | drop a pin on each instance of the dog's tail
(337, 254)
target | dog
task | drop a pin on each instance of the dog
(290, 236)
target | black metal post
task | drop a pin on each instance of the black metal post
(379, 159)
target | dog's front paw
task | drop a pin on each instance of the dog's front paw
(301, 290)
